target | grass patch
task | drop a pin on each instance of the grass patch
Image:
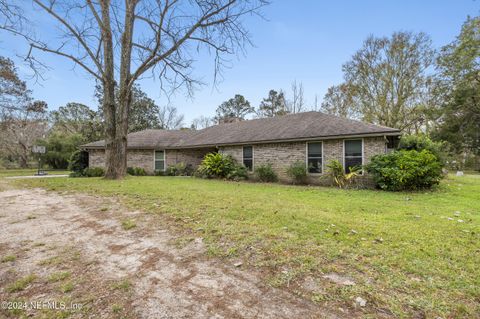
(52, 261)
(124, 285)
(116, 308)
(21, 284)
(66, 287)
(8, 258)
(59, 276)
(128, 224)
(410, 254)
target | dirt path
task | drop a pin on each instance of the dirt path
(137, 273)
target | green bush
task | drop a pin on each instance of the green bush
(93, 172)
(420, 143)
(405, 170)
(78, 162)
(216, 165)
(265, 173)
(338, 176)
(238, 172)
(136, 171)
(297, 172)
(179, 169)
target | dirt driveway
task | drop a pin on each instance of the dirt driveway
(74, 249)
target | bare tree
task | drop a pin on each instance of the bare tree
(118, 42)
(202, 122)
(169, 118)
(315, 103)
(297, 104)
(20, 128)
(22, 120)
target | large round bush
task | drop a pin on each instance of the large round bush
(405, 170)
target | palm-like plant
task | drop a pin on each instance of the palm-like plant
(338, 175)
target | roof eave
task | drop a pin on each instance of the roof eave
(302, 139)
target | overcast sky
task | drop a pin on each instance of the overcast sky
(306, 40)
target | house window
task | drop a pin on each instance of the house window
(353, 154)
(159, 160)
(248, 157)
(314, 158)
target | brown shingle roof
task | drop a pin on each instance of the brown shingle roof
(149, 139)
(308, 125)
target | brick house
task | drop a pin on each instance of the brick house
(313, 138)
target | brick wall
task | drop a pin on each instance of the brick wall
(144, 158)
(141, 158)
(282, 155)
(135, 158)
(188, 156)
(96, 158)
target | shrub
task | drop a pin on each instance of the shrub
(179, 169)
(136, 171)
(297, 172)
(265, 173)
(93, 172)
(405, 170)
(216, 165)
(420, 143)
(337, 173)
(78, 163)
(238, 172)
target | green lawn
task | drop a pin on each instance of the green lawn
(410, 254)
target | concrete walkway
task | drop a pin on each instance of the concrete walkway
(35, 176)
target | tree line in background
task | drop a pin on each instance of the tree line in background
(402, 82)
(397, 81)
(25, 122)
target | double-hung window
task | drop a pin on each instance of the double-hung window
(353, 154)
(248, 157)
(159, 160)
(314, 157)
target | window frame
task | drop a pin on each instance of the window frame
(307, 157)
(363, 153)
(155, 160)
(252, 159)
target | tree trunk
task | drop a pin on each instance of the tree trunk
(23, 160)
(125, 91)
(112, 156)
